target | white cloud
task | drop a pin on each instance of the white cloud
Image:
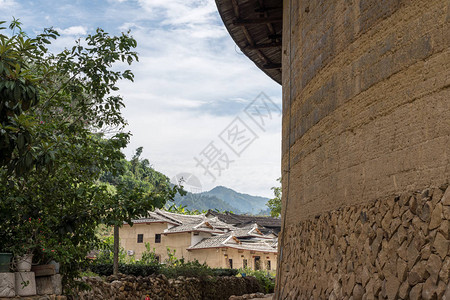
(177, 12)
(5, 4)
(73, 30)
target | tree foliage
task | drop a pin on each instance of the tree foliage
(138, 188)
(275, 203)
(61, 129)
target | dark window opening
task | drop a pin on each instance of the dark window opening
(157, 238)
(230, 263)
(140, 238)
(268, 266)
(244, 263)
(257, 263)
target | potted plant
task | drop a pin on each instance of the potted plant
(28, 236)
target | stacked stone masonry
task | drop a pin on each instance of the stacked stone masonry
(127, 287)
(394, 248)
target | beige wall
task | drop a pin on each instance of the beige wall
(218, 258)
(128, 238)
(366, 89)
(179, 242)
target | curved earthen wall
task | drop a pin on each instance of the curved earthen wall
(366, 119)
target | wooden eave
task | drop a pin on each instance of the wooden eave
(256, 27)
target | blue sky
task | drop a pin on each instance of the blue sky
(191, 84)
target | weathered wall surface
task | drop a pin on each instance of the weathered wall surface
(393, 248)
(366, 117)
(366, 91)
(128, 238)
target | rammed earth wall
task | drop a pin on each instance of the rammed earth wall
(366, 89)
(392, 248)
(366, 117)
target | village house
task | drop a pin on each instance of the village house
(206, 238)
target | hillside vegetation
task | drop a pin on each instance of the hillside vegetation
(224, 199)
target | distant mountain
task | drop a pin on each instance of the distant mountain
(203, 202)
(224, 199)
(244, 203)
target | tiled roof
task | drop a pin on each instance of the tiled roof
(182, 219)
(153, 217)
(226, 240)
(234, 219)
(251, 230)
(262, 247)
(192, 227)
(212, 242)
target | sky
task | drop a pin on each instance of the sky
(201, 110)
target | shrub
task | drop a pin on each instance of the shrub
(224, 272)
(265, 278)
(187, 269)
(129, 269)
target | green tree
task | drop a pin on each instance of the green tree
(138, 189)
(61, 128)
(275, 203)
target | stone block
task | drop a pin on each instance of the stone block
(49, 285)
(392, 286)
(418, 274)
(44, 270)
(446, 197)
(440, 245)
(7, 285)
(416, 292)
(25, 283)
(436, 217)
(447, 293)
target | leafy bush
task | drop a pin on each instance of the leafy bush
(106, 251)
(129, 269)
(148, 256)
(187, 269)
(102, 269)
(148, 265)
(266, 279)
(224, 272)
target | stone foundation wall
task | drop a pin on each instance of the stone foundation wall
(127, 287)
(393, 248)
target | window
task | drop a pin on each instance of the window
(196, 233)
(257, 263)
(268, 266)
(157, 238)
(158, 258)
(244, 263)
(230, 263)
(140, 238)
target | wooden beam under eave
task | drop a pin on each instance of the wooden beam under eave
(264, 46)
(243, 22)
(267, 9)
(271, 66)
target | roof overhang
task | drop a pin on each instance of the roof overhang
(190, 230)
(256, 27)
